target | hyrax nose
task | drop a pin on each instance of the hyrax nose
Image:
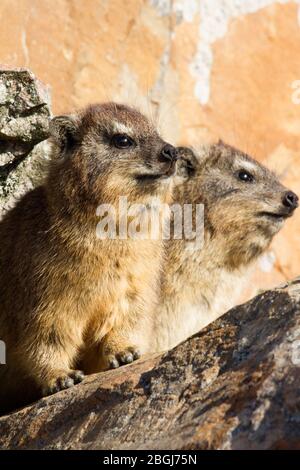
(168, 153)
(290, 200)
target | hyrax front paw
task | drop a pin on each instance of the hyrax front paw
(62, 381)
(121, 358)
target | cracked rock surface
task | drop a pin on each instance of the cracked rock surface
(24, 121)
(234, 385)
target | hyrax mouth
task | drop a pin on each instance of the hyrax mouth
(290, 202)
(275, 216)
(167, 173)
(171, 171)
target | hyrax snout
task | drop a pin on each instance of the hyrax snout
(63, 288)
(290, 200)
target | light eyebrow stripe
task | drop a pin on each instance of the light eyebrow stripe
(119, 127)
(247, 165)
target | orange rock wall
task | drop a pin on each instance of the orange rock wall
(203, 69)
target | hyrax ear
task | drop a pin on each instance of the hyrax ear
(187, 162)
(64, 131)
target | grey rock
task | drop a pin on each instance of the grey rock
(24, 124)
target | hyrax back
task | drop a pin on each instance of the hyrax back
(62, 288)
(244, 207)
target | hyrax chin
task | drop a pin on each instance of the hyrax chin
(62, 288)
(244, 207)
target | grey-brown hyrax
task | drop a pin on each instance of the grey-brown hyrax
(244, 207)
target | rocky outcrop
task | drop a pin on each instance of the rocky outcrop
(24, 121)
(234, 385)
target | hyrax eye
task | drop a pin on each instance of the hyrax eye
(122, 141)
(245, 176)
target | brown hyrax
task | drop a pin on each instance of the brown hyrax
(64, 289)
(244, 207)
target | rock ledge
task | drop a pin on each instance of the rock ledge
(234, 385)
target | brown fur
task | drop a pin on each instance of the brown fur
(201, 284)
(62, 289)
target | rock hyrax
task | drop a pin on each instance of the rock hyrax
(244, 207)
(62, 288)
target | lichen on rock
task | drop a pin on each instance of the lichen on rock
(24, 123)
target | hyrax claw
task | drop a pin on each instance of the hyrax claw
(63, 382)
(124, 357)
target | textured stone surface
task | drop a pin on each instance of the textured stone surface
(24, 121)
(235, 385)
(204, 69)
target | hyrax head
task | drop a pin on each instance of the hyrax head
(244, 203)
(111, 150)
